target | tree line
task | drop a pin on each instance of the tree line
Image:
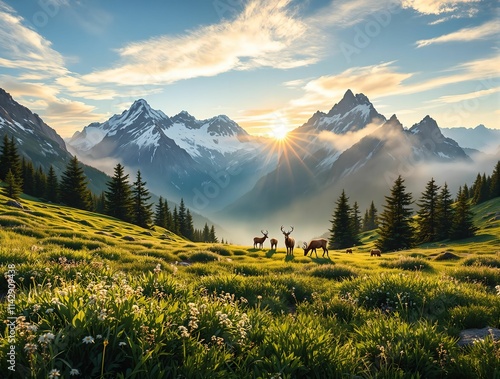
(439, 216)
(122, 200)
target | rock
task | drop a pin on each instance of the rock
(469, 336)
(14, 203)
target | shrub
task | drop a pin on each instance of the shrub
(390, 345)
(482, 261)
(478, 274)
(221, 250)
(203, 257)
(334, 272)
(408, 263)
(472, 316)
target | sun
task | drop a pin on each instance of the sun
(279, 132)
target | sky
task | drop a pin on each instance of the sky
(268, 65)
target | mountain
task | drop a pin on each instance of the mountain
(479, 138)
(39, 142)
(208, 163)
(363, 156)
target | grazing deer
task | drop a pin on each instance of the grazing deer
(289, 242)
(375, 252)
(314, 244)
(274, 243)
(260, 240)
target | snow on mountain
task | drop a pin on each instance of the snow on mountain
(178, 155)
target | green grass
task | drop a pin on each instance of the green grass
(156, 305)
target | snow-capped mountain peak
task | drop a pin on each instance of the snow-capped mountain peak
(352, 113)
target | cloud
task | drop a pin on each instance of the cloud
(23, 48)
(489, 29)
(344, 141)
(265, 34)
(375, 80)
(464, 8)
(467, 96)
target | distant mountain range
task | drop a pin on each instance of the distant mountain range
(208, 163)
(479, 138)
(252, 182)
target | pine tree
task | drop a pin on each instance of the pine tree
(189, 226)
(366, 220)
(444, 213)
(142, 214)
(341, 232)
(212, 236)
(355, 222)
(119, 196)
(160, 216)
(481, 190)
(4, 158)
(52, 193)
(73, 187)
(175, 221)
(395, 229)
(206, 233)
(100, 203)
(427, 214)
(468, 192)
(40, 182)
(463, 224)
(28, 175)
(181, 221)
(13, 189)
(495, 182)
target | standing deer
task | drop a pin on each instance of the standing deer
(260, 240)
(274, 243)
(289, 242)
(314, 244)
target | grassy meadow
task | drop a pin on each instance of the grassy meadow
(98, 298)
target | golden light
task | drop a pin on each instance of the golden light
(279, 132)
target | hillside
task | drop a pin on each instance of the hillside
(103, 298)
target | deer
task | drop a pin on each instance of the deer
(289, 242)
(314, 244)
(375, 252)
(274, 243)
(348, 251)
(260, 240)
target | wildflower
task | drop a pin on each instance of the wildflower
(46, 338)
(54, 374)
(157, 269)
(184, 331)
(88, 339)
(98, 337)
(49, 310)
(32, 328)
(36, 307)
(74, 372)
(30, 347)
(122, 344)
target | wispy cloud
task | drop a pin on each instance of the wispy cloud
(465, 8)
(489, 29)
(467, 96)
(265, 34)
(23, 48)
